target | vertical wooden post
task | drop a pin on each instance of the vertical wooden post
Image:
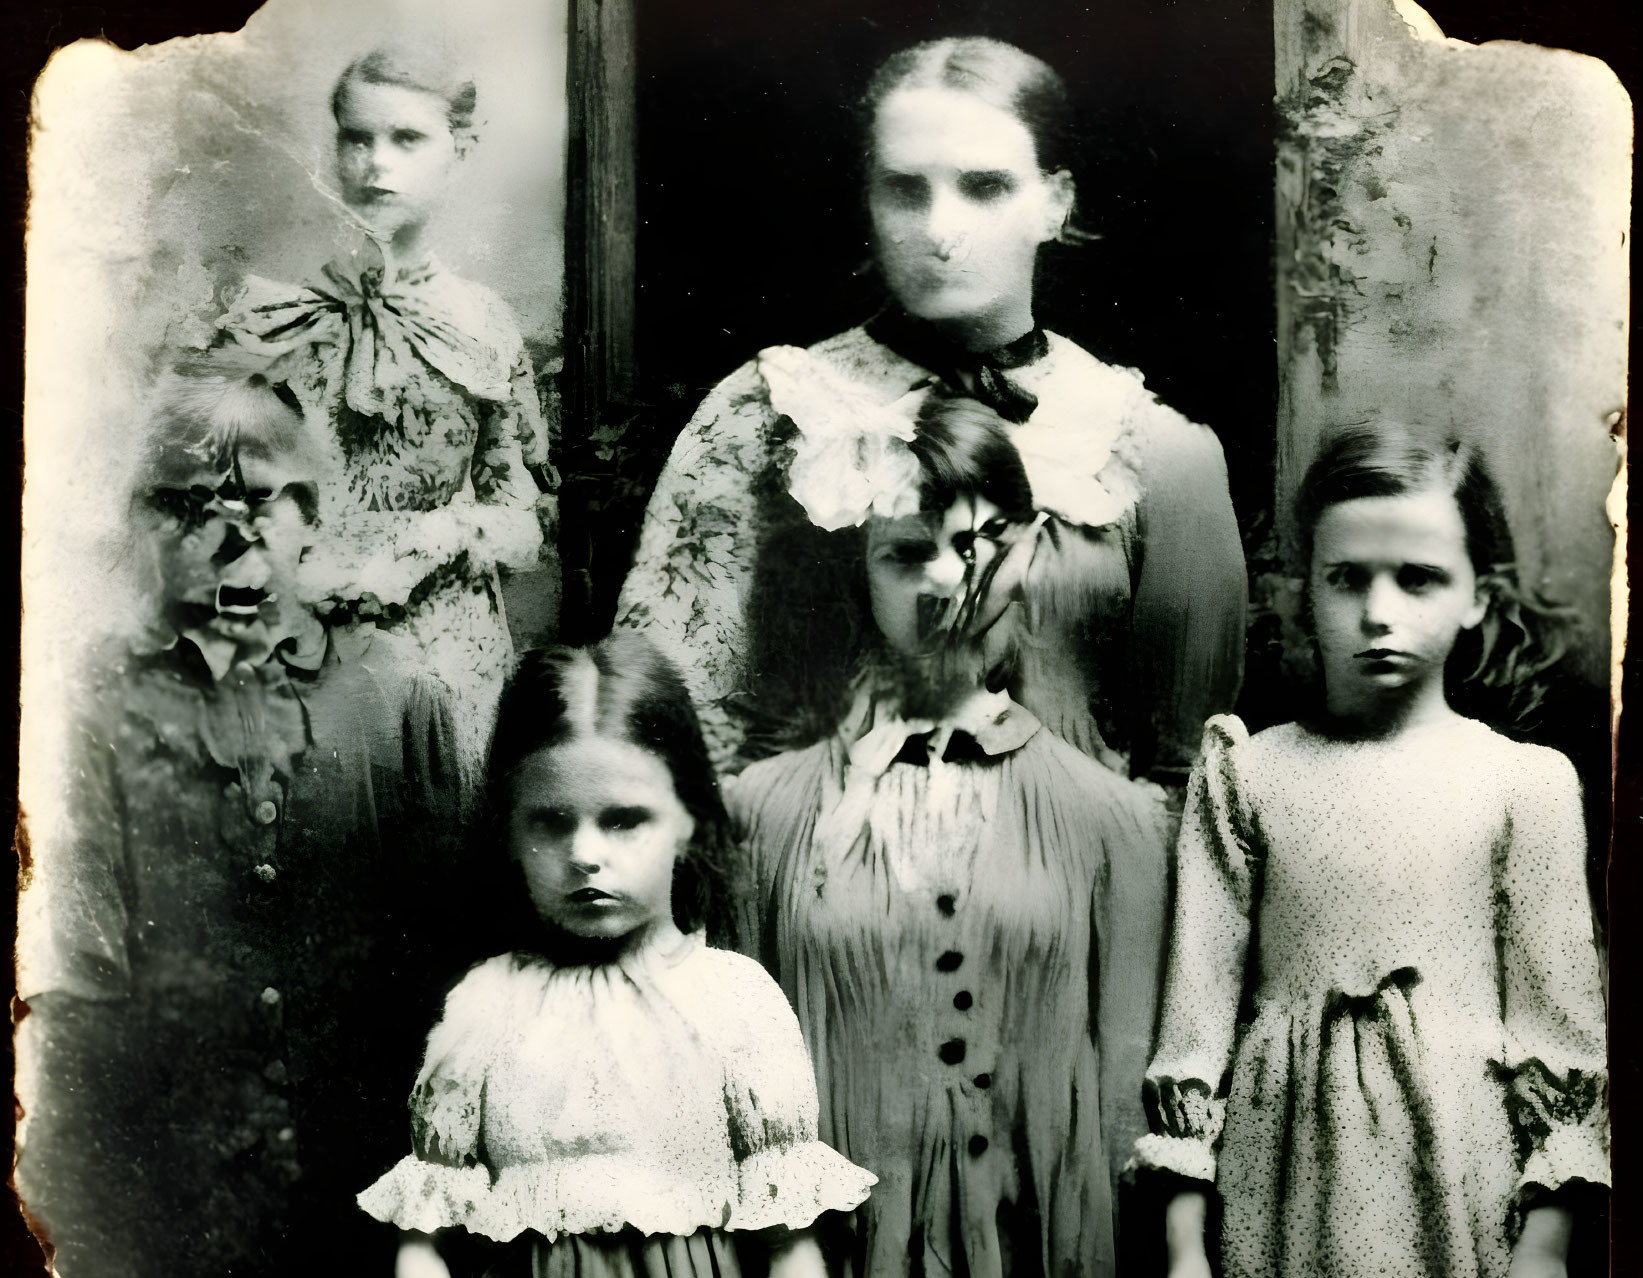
(601, 221)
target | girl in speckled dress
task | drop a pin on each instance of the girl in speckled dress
(1382, 934)
(613, 1096)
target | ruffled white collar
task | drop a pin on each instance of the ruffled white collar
(854, 402)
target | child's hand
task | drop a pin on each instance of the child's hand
(1190, 1266)
(796, 1254)
(418, 1259)
(1184, 1234)
(1542, 1249)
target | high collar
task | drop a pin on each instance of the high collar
(303, 647)
(988, 724)
(980, 374)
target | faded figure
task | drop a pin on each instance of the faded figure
(239, 932)
(425, 383)
(1136, 601)
(966, 911)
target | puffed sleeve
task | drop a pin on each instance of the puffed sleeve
(1130, 913)
(1190, 595)
(445, 1181)
(691, 577)
(787, 1176)
(1216, 862)
(1551, 987)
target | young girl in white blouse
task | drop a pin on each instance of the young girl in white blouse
(613, 1096)
(1383, 1033)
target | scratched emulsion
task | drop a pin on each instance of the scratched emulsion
(159, 179)
(1452, 253)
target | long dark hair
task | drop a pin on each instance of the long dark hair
(1497, 670)
(640, 699)
(809, 613)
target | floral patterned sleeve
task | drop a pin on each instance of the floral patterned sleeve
(690, 579)
(1551, 987)
(1215, 872)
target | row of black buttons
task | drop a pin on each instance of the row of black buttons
(953, 1050)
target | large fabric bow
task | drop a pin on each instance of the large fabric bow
(981, 374)
(384, 329)
(850, 455)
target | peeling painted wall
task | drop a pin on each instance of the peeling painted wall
(1452, 224)
(156, 177)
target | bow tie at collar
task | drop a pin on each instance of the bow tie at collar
(385, 324)
(984, 727)
(925, 345)
(302, 646)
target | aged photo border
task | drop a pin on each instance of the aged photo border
(600, 352)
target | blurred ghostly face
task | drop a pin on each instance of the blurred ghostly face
(394, 154)
(228, 545)
(1392, 587)
(597, 829)
(959, 205)
(920, 567)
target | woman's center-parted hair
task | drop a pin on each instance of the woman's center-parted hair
(1495, 670)
(425, 68)
(620, 688)
(998, 74)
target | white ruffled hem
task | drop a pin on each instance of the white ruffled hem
(789, 1187)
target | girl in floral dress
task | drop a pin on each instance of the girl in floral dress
(613, 1096)
(425, 382)
(1383, 941)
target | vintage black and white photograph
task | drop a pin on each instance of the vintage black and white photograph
(830, 641)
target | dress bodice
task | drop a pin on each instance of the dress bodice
(1146, 538)
(665, 1092)
(972, 946)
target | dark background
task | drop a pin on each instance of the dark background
(751, 234)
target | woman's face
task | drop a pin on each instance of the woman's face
(959, 205)
(597, 827)
(394, 154)
(919, 568)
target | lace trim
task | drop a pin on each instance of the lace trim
(788, 1186)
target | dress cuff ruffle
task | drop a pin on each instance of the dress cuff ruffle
(1567, 1154)
(789, 1186)
(1179, 1155)
(793, 1185)
(426, 1197)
